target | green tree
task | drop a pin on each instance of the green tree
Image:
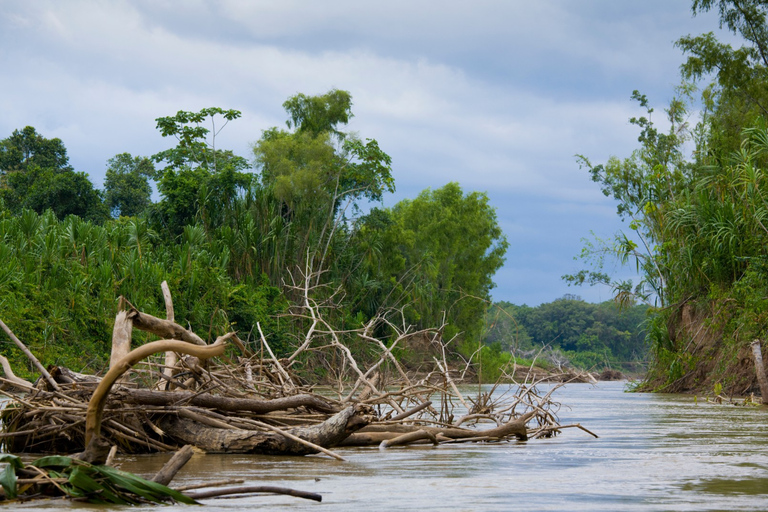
(35, 174)
(197, 179)
(738, 93)
(26, 148)
(318, 176)
(126, 186)
(441, 250)
(319, 114)
(702, 222)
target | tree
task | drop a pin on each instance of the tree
(319, 114)
(198, 180)
(126, 187)
(26, 148)
(738, 93)
(442, 249)
(35, 174)
(318, 175)
(703, 222)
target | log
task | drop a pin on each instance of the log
(121, 338)
(248, 489)
(375, 434)
(163, 328)
(218, 440)
(411, 437)
(222, 403)
(11, 377)
(170, 357)
(760, 370)
(64, 375)
(174, 465)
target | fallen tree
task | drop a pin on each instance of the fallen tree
(226, 398)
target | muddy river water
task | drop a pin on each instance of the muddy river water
(655, 452)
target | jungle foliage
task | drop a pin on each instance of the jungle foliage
(233, 236)
(587, 336)
(698, 223)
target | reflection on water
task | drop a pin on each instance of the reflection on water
(655, 452)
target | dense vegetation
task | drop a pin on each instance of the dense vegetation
(699, 224)
(570, 332)
(232, 236)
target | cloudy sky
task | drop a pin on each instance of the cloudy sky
(498, 95)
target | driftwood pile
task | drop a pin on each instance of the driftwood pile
(224, 398)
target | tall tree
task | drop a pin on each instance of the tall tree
(197, 179)
(739, 92)
(441, 250)
(126, 185)
(319, 174)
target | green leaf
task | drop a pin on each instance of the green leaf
(152, 491)
(13, 460)
(8, 476)
(8, 481)
(53, 460)
(87, 485)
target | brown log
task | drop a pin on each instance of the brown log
(213, 493)
(222, 403)
(218, 440)
(368, 438)
(163, 328)
(376, 433)
(760, 370)
(411, 437)
(64, 375)
(98, 400)
(121, 338)
(174, 464)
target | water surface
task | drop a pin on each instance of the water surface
(655, 453)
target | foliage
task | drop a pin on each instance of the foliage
(589, 335)
(126, 186)
(417, 254)
(35, 174)
(701, 221)
(236, 247)
(95, 484)
(60, 280)
(198, 181)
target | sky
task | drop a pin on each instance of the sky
(497, 95)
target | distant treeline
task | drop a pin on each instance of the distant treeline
(586, 335)
(238, 239)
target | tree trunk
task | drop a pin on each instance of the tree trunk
(221, 403)
(219, 440)
(375, 434)
(760, 370)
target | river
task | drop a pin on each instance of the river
(655, 453)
